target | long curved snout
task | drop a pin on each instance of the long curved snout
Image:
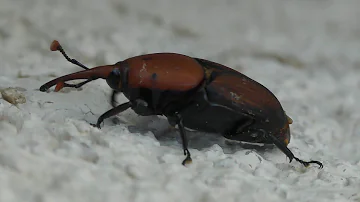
(90, 74)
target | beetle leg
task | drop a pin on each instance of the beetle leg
(142, 108)
(112, 112)
(113, 96)
(244, 125)
(236, 132)
(288, 153)
(179, 122)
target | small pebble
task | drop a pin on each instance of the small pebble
(13, 95)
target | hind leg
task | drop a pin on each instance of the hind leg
(241, 131)
(287, 151)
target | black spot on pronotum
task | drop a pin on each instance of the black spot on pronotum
(153, 76)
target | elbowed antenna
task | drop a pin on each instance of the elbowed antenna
(55, 46)
(89, 74)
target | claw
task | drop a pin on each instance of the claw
(307, 163)
(187, 161)
(96, 125)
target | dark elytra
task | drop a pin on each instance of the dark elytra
(193, 93)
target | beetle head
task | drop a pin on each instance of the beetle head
(108, 72)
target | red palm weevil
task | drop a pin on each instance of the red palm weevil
(191, 92)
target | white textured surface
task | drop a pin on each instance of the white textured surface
(48, 151)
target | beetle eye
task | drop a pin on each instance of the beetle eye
(116, 72)
(113, 79)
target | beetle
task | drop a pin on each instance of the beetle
(191, 93)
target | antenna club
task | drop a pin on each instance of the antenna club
(54, 45)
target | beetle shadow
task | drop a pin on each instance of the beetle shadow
(169, 136)
(202, 140)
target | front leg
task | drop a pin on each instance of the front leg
(139, 106)
(112, 112)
